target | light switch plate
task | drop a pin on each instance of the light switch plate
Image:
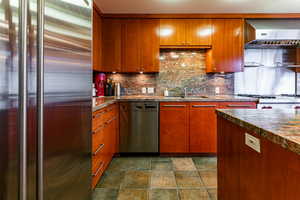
(144, 90)
(150, 90)
(252, 142)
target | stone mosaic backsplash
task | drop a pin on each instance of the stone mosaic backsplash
(179, 69)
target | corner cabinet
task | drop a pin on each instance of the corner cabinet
(111, 45)
(130, 45)
(227, 52)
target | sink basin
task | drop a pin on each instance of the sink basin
(196, 97)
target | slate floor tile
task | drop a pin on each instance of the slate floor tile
(205, 163)
(213, 193)
(209, 178)
(133, 194)
(160, 194)
(105, 194)
(126, 163)
(163, 179)
(195, 194)
(136, 179)
(188, 179)
(111, 180)
(183, 164)
(162, 165)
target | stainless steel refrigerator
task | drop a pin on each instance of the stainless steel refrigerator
(45, 99)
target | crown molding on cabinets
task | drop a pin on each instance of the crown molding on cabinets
(208, 15)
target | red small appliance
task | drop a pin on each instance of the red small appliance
(100, 82)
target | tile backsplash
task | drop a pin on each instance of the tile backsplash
(178, 70)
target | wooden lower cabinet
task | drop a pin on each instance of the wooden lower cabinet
(191, 127)
(244, 173)
(174, 127)
(104, 140)
(203, 127)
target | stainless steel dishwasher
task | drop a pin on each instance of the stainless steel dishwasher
(139, 127)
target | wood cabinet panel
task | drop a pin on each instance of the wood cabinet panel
(250, 33)
(229, 141)
(111, 45)
(149, 45)
(227, 53)
(131, 45)
(203, 127)
(172, 32)
(198, 32)
(251, 171)
(174, 127)
(97, 40)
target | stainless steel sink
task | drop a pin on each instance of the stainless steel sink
(196, 97)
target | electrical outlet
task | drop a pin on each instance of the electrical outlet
(150, 90)
(144, 90)
(217, 90)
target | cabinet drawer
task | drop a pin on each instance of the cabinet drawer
(102, 116)
(238, 105)
(173, 105)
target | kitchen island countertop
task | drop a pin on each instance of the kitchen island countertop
(281, 126)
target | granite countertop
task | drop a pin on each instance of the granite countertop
(281, 126)
(101, 102)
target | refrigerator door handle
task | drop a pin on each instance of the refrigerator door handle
(40, 99)
(23, 97)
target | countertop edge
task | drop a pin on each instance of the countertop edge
(275, 138)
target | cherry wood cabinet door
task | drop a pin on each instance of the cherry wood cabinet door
(203, 127)
(150, 45)
(111, 45)
(172, 32)
(198, 32)
(293, 176)
(131, 45)
(97, 40)
(174, 127)
(227, 53)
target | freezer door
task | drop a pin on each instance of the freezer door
(67, 106)
(8, 101)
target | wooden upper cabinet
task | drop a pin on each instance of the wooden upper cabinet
(250, 32)
(97, 40)
(131, 45)
(198, 32)
(149, 45)
(111, 45)
(227, 53)
(172, 32)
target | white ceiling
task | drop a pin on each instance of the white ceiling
(199, 6)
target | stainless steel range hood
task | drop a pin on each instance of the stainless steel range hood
(274, 34)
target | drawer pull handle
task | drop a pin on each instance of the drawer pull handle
(99, 114)
(99, 169)
(236, 106)
(99, 148)
(175, 106)
(204, 106)
(108, 122)
(98, 129)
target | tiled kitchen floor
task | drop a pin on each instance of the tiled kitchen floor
(159, 178)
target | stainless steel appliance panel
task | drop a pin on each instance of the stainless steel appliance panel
(9, 54)
(68, 100)
(139, 127)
